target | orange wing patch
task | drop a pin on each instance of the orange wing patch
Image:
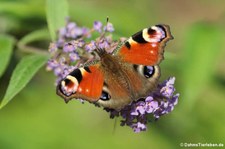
(91, 84)
(146, 47)
(144, 54)
(85, 83)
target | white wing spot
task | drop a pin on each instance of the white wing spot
(79, 89)
(130, 40)
(145, 35)
(153, 45)
(82, 70)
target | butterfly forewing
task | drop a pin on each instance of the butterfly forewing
(146, 46)
(84, 82)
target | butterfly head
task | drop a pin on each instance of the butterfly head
(101, 52)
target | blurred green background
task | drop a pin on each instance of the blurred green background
(38, 119)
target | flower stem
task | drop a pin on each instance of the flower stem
(30, 49)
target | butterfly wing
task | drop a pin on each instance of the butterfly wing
(134, 83)
(146, 47)
(85, 83)
(139, 58)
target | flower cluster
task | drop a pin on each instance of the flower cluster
(75, 46)
(158, 103)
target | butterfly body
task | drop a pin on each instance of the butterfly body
(117, 79)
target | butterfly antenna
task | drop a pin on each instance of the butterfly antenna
(107, 19)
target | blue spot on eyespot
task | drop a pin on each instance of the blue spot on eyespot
(148, 71)
(105, 96)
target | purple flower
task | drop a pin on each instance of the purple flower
(60, 42)
(72, 31)
(62, 60)
(71, 25)
(138, 127)
(91, 46)
(157, 104)
(86, 32)
(103, 44)
(74, 57)
(52, 48)
(58, 71)
(51, 64)
(109, 27)
(168, 89)
(80, 43)
(151, 104)
(68, 47)
(97, 26)
(139, 109)
(166, 107)
(62, 32)
(75, 32)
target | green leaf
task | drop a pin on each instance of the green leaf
(6, 47)
(203, 46)
(22, 74)
(36, 35)
(57, 11)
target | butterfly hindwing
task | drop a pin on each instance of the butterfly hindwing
(146, 46)
(139, 82)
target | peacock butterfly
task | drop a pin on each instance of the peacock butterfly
(126, 75)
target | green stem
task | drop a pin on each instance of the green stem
(30, 49)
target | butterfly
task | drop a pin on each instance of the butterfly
(125, 75)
